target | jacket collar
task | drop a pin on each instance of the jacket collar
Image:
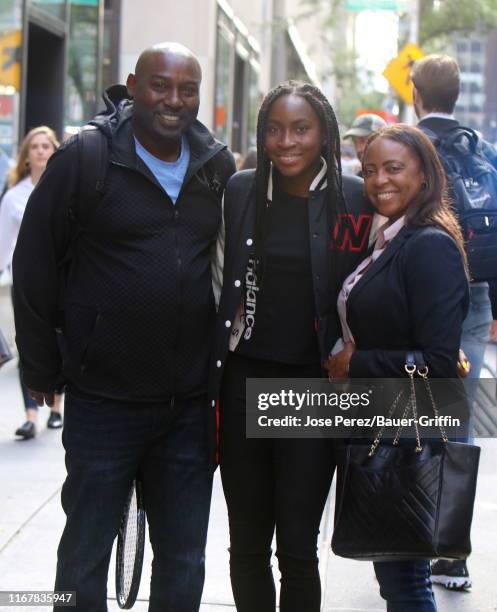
(437, 123)
(115, 122)
(202, 145)
(439, 116)
(318, 184)
(397, 243)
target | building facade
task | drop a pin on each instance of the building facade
(470, 52)
(56, 57)
(51, 64)
(244, 48)
(477, 103)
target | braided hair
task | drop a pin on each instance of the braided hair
(330, 151)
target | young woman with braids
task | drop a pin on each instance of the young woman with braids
(284, 258)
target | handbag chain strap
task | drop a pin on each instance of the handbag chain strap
(410, 369)
(424, 375)
(394, 405)
(411, 406)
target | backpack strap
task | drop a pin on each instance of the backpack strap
(453, 138)
(93, 157)
(431, 135)
(93, 153)
(462, 139)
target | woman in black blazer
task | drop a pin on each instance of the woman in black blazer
(288, 240)
(410, 294)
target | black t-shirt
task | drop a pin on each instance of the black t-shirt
(285, 316)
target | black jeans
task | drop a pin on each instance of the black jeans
(270, 484)
(107, 443)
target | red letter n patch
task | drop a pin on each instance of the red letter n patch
(351, 233)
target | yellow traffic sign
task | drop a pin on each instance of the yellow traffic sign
(398, 71)
(10, 58)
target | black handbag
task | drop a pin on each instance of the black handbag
(401, 502)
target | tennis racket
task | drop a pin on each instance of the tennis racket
(130, 547)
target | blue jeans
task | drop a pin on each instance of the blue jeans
(476, 328)
(475, 335)
(406, 585)
(107, 443)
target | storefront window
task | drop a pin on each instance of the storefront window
(222, 110)
(55, 8)
(82, 85)
(110, 62)
(253, 104)
(10, 78)
(237, 82)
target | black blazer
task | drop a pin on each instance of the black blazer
(414, 297)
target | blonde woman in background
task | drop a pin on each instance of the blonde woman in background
(35, 150)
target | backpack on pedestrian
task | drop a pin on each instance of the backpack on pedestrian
(472, 184)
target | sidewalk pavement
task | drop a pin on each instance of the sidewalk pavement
(31, 521)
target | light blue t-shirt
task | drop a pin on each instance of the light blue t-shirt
(169, 174)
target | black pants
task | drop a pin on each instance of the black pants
(268, 484)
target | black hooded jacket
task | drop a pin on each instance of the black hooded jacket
(138, 302)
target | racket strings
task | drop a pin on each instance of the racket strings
(131, 542)
(130, 546)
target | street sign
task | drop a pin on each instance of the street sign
(356, 6)
(10, 58)
(398, 71)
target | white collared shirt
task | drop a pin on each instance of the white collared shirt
(438, 115)
(386, 233)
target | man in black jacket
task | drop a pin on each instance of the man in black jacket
(138, 312)
(436, 89)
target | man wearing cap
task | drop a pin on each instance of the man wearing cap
(361, 128)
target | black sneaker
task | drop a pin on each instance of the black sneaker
(452, 575)
(27, 430)
(54, 420)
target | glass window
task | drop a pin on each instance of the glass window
(237, 93)
(10, 79)
(476, 46)
(461, 47)
(222, 104)
(253, 105)
(82, 85)
(56, 8)
(111, 43)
